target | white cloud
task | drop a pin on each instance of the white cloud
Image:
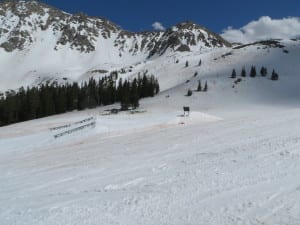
(158, 26)
(264, 28)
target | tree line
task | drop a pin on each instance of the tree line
(51, 99)
(253, 73)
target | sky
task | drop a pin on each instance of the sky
(139, 15)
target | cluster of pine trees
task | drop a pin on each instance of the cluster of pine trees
(199, 88)
(263, 73)
(46, 100)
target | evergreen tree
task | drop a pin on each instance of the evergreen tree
(243, 73)
(125, 99)
(186, 63)
(145, 87)
(92, 93)
(24, 108)
(47, 102)
(263, 71)
(60, 100)
(83, 97)
(112, 90)
(134, 95)
(100, 87)
(199, 88)
(189, 93)
(157, 88)
(205, 87)
(119, 89)
(2, 107)
(253, 71)
(233, 74)
(10, 108)
(151, 86)
(200, 62)
(33, 100)
(274, 76)
(72, 97)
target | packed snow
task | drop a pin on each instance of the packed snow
(154, 166)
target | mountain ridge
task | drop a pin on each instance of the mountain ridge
(22, 19)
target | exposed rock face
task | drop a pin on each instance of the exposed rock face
(23, 21)
(187, 35)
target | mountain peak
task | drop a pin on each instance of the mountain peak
(23, 8)
(24, 21)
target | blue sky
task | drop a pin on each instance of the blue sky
(139, 15)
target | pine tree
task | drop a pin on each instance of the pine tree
(134, 95)
(24, 108)
(243, 73)
(47, 103)
(145, 87)
(83, 97)
(60, 100)
(10, 109)
(125, 99)
(33, 100)
(151, 87)
(263, 71)
(119, 89)
(199, 88)
(274, 76)
(200, 62)
(205, 87)
(189, 93)
(2, 107)
(253, 71)
(157, 88)
(233, 74)
(93, 93)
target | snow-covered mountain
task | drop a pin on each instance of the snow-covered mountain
(39, 42)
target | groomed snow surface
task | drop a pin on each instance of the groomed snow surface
(154, 167)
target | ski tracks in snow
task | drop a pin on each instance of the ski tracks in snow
(234, 171)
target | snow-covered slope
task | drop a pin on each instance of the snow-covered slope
(225, 166)
(38, 43)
